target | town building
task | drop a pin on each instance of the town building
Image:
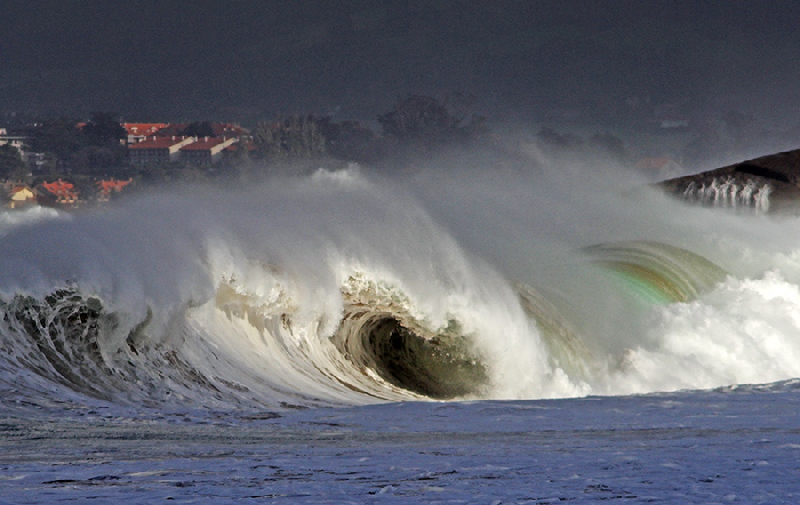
(20, 195)
(243, 147)
(60, 193)
(206, 151)
(156, 143)
(106, 187)
(15, 140)
(138, 132)
(225, 130)
(156, 150)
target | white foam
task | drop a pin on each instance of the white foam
(745, 331)
(452, 246)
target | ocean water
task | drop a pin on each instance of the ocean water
(452, 335)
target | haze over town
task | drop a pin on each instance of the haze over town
(700, 83)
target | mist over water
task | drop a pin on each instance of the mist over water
(348, 287)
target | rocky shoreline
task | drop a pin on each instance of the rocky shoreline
(766, 184)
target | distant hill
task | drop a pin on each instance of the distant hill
(777, 175)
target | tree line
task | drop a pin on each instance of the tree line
(88, 149)
(415, 126)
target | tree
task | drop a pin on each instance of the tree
(199, 129)
(423, 120)
(103, 130)
(103, 134)
(267, 139)
(94, 148)
(59, 137)
(11, 163)
(610, 145)
(348, 140)
(294, 137)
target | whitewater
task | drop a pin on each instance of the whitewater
(435, 324)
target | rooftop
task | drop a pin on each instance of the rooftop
(219, 129)
(157, 143)
(143, 128)
(203, 144)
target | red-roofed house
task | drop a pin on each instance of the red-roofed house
(218, 129)
(106, 187)
(137, 132)
(206, 151)
(64, 192)
(20, 195)
(155, 150)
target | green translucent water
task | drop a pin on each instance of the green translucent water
(655, 273)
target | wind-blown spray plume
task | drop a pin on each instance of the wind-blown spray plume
(341, 288)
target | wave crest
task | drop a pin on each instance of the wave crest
(378, 333)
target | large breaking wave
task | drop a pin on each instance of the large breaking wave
(341, 288)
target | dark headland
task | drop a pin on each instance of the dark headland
(778, 174)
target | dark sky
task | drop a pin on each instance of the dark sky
(525, 60)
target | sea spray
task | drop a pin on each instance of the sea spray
(313, 290)
(729, 192)
(743, 332)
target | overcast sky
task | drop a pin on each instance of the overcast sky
(528, 60)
